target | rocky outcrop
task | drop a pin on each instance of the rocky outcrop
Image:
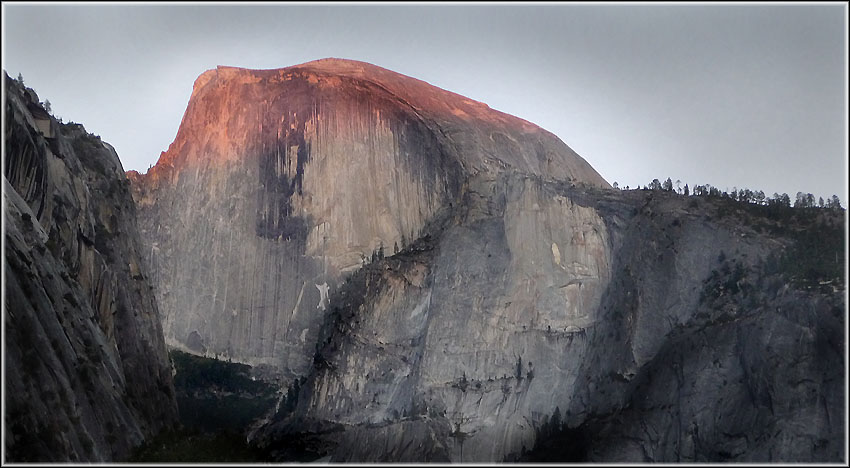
(281, 182)
(462, 340)
(87, 374)
(712, 349)
(438, 280)
(655, 331)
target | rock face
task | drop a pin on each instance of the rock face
(439, 279)
(655, 332)
(280, 182)
(87, 374)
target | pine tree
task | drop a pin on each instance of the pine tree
(810, 200)
(655, 185)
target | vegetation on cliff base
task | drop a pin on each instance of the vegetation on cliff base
(217, 401)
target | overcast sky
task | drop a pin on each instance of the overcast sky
(728, 94)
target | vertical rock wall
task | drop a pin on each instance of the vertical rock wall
(535, 298)
(473, 338)
(87, 374)
(282, 182)
(245, 249)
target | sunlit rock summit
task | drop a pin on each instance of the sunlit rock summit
(437, 280)
(280, 182)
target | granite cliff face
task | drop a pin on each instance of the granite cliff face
(281, 182)
(655, 330)
(438, 280)
(87, 374)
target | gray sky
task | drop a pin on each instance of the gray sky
(728, 94)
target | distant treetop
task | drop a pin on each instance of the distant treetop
(744, 195)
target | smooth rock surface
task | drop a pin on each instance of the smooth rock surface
(281, 182)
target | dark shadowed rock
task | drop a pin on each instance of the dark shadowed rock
(87, 375)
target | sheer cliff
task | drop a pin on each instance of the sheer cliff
(87, 376)
(439, 280)
(280, 182)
